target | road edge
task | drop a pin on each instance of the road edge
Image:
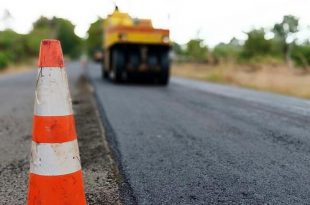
(126, 192)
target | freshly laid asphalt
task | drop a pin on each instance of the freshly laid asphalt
(201, 143)
(188, 143)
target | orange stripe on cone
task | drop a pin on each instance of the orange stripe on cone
(55, 170)
(56, 190)
(50, 54)
(53, 129)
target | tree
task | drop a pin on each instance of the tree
(71, 43)
(94, 41)
(12, 45)
(43, 22)
(256, 44)
(196, 50)
(177, 49)
(34, 38)
(227, 51)
(283, 31)
(301, 54)
(58, 28)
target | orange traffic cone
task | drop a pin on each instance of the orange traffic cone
(55, 169)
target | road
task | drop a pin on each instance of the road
(201, 143)
(189, 143)
(16, 108)
(16, 112)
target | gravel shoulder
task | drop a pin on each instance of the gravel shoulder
(100, 172)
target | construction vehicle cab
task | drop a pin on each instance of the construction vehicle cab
(132, 47)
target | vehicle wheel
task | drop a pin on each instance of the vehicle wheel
(164, 77)
(104, 72)
(165, 69)
(118, 64)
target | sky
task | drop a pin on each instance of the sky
(214, 21)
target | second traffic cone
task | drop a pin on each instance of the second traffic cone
(55, 169)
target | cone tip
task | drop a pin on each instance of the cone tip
(50, 54)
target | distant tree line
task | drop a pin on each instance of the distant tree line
(94, 40)
(257, 48)
(17, 47)
(282, 47)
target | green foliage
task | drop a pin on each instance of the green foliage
(43, 23)
(95, 36)
(13, 44)
(34, 38)
(4, 60)
(301, 54)
(177, 49)
(58, 28)
(256, 48)
(43, 28)
(256, 44)
(276, 48)
(70, 42)
(288, 26)
(17, 47)
(227, 51)
(283, 30)
(196, 50)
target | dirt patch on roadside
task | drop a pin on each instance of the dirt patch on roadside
(13, 69)
(101, 176)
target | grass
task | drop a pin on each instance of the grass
(274, 78)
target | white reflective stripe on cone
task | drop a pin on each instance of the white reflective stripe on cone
(51, 159)
(52, 96)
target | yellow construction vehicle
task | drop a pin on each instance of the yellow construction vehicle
(133, 48)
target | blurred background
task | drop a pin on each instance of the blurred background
(261, 44)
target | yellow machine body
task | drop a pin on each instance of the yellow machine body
(120, 28)
(133, 47)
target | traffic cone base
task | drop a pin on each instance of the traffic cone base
(56, 190)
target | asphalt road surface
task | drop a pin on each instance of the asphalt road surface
(188, 143)
(16, 108)
(201, 143)
(16, 112)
